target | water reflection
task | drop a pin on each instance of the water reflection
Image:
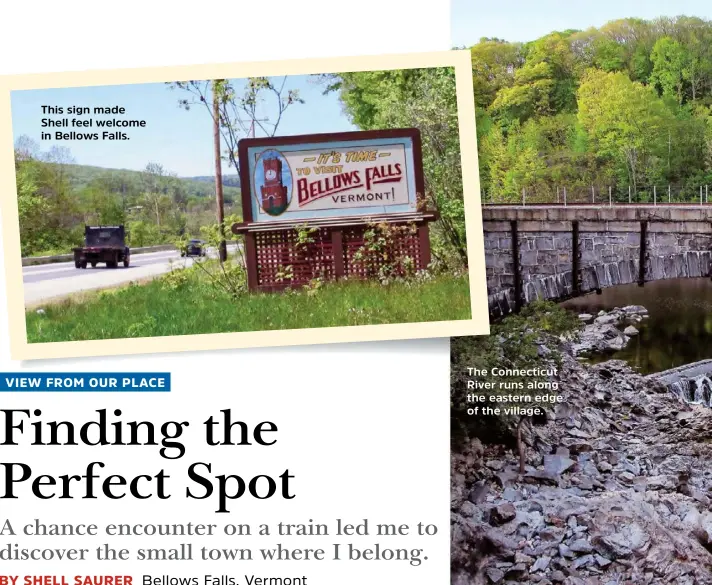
(678, 330)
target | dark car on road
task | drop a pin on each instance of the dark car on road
(103, 244)
(194, 248)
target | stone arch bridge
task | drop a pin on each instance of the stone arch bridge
(555, 252)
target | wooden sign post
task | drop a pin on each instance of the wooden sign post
(310, 202)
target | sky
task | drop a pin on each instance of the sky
(526, 20)
(180, 140)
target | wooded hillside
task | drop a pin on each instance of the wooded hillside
(56, 198)
(625, 105)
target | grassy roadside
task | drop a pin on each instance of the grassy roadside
(161, 307)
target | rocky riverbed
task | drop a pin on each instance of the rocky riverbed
(617, 488)
(609, 331)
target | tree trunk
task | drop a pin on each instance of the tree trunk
(220, 203)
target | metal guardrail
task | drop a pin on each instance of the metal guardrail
(37, 260)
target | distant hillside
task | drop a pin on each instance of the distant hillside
(228, 180)
(81, 176)
(57, 200)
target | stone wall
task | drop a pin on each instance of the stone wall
(678, 244)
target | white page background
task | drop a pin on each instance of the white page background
(364, 428)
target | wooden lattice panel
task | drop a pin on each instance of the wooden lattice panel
(407, 245)
(282, 262)
(277, 260)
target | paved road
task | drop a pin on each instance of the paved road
(52, 281)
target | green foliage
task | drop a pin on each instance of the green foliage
(425, 99)
(529, 96)
(191, 304)
(305, 236)
(670, 60)
(381, 254)
(540, 316)
(493, 64)
(32, 208)
(176, 279)
(141, 233)
(45, 203)
(626, 122)
(519, 342)
(623, 105)
(130, 184)
(57, 198)
(230, 276)
(544, 83)
(608, 54)
(285, 273)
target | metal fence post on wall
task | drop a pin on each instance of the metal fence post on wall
(593, 194)
(564, 196)
(557, 195)
(524, 196)
(655, 195)
(628, 194)
(610, 198)
(669, 194)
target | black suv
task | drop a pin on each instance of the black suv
(194, 248)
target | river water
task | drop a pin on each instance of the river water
(678, 330)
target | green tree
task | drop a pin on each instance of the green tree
(101, 206)
(494, 63)
(671, 67)
(425, 99)
(608, 54)
(32, 207)
(513, 164)
(555, 49)
(48, 211)
(529, 96)
(636, 37)
(545, 84)
(155, 185)
(626, 122)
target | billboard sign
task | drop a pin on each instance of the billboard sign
(330, 175)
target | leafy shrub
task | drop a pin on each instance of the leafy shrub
(381, 254)
(527, 340)
(175, 279)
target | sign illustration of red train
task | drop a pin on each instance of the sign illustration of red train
(331, 175)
